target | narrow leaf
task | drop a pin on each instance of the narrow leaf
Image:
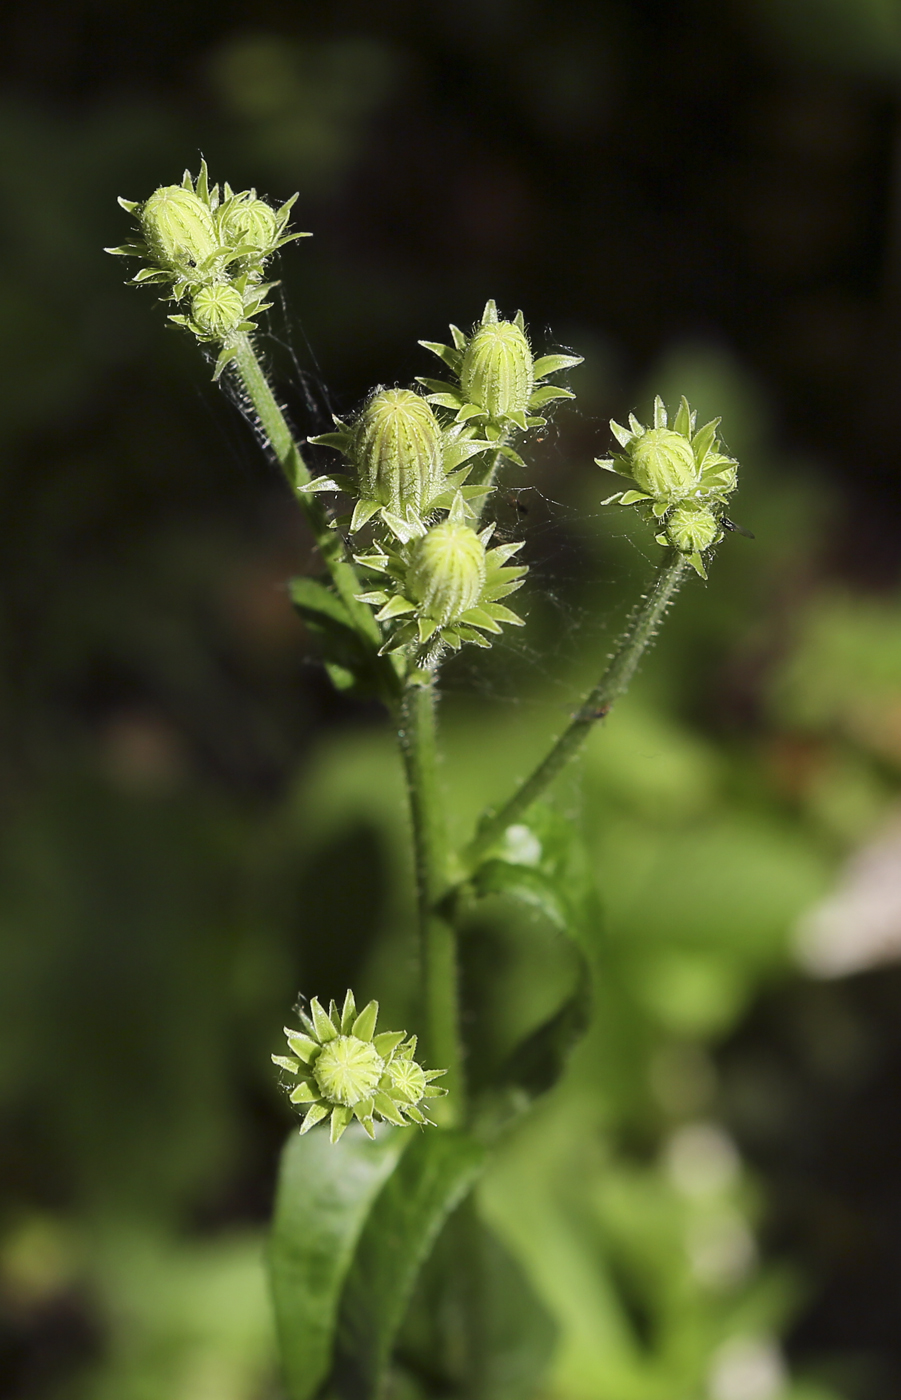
(324, 1195)
(432, 1177)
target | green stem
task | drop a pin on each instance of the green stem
(619, 671)
(487, 480)
(437, 942)
(281, 440)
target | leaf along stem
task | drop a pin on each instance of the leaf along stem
(437, 938)
(621, 667)
(280, 438)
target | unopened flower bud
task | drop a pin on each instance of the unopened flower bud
(178, 227)
(217, 310)
(663, 464)
(398, 451)
(497, 370)
(407, 1080)
(348, 1070)
(249, 221)
(692, 529)
(447, 571)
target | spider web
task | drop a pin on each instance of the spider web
(560, 539)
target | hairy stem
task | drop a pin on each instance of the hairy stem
(281, 440)
(437, 941)
(619, 671)
(486, 478)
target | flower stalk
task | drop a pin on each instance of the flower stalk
(614, 681)
(437, 940)
(274, 426)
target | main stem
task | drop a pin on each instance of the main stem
(619, 671)
(437, 942)
(281, 440)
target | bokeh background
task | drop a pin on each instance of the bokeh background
(701, 198)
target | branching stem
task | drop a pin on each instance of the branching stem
(619, 671)
(281, 440)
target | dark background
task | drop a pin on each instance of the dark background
(711, 187)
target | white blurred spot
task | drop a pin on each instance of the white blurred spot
(521, 846)
(747, 1368)
(701, 1159)
(859, 926)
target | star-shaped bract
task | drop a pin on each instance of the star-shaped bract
(341, 1070)
(448, 585)
(500, 384)
(681, 475)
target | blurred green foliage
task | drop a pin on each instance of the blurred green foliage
(194, 828)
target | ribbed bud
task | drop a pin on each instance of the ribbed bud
(691, 529)
(177, 227)
(348, 1070)
(447, 571)
(407, 1080)
(497, 370)
(249, 221)
(218, 310)
(663, 464)
(398, 451)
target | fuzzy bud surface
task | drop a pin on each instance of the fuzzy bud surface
(217, 310)
(178, 227)
(251, 222)
(663, 464)
(447, 571)
(497, 371)
(398, 450)
(692, 530)
(348, 1070)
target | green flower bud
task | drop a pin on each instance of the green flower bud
(177, 227)
(348, 1070)
(447, 571)
(217, 309)
(497, 372)
(251, 222)
(398, 451)
(663, 464)
(692, 529)
(407, 1080)
(340, 1070)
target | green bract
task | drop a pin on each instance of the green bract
(498, 370)
(406, 466)
(218, 309)
(340, 1069)
(195, 239)
(447, 586)
(447, 571)
(683, 478)
(178, 229)
(691, 529)
(500, 384)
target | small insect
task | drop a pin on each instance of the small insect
(513, 501)
(728, 524)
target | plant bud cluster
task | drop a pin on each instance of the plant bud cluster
(209, 249)
(420, 469)
(682, 479)
(340, 1070)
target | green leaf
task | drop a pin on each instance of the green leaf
(324, 1195)
(541, 864)
(475, 1326)
(431, 1179)
(348, 658)
(549, 364)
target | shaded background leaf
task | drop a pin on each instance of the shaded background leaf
(325, 1193)
(434, 1174)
